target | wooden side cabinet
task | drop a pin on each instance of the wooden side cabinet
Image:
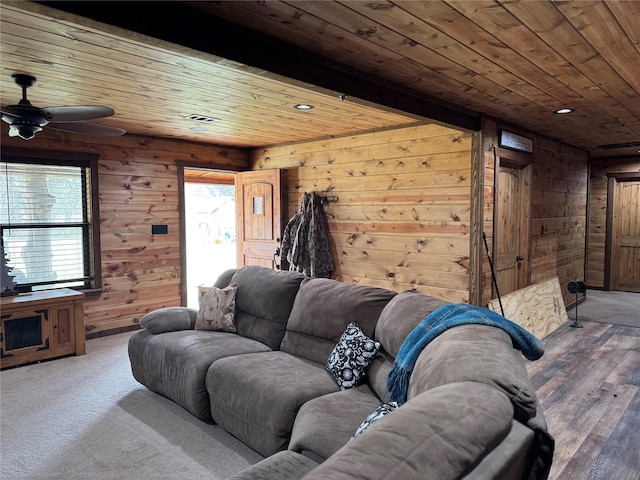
(41, 325)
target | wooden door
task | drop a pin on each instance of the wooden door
(511, 227)
(259, 218)
(625, 258)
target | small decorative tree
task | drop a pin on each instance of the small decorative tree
(7, 285)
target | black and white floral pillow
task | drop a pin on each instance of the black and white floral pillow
(351, 356)
(379, 412)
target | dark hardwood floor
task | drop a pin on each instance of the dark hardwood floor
(588, 384)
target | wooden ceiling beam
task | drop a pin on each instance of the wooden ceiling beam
(182, 25)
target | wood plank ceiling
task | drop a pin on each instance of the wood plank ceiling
(360, 63)
(154, 87)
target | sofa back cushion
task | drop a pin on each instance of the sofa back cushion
(263, 302)
(398, 318)
(225, 278)
(476, 353)
(322, 310)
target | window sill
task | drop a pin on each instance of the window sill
(91, 293)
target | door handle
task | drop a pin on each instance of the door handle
(519, 258)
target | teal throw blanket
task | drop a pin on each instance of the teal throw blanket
(441, 319)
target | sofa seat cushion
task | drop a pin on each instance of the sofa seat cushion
(175, 364)
(477, 353)
(256, 397)
(326, 423)
(439, 434)
(284, 465)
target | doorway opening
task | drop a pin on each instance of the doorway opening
(209, 228)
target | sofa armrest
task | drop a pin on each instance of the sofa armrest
(441, 433)
(284, 465)
(169, 319)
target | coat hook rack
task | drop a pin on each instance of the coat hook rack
(328, 197)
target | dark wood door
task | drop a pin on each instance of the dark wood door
(259, 217)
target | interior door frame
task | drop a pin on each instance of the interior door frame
(612, 180)
(182, 221)
(523, 162)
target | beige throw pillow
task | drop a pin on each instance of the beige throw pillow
(217, 308)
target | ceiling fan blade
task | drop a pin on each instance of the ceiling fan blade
(8, 111)
(88, 128)
(9, 115)
(77, 113)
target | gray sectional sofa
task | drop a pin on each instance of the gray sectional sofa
(471, 411)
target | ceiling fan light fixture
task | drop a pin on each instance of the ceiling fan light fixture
(563, 111)
(24, 131)
(25, 120)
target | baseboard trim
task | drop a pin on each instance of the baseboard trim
(113, 331)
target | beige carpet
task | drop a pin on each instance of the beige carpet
(618, 308)
(86, 418)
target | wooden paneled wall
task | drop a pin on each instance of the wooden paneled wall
(138, 186)
(598, 213)
(560, 183)
(403, 217)
(403, 220)
(558, 209)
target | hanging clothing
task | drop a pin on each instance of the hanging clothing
(300, 258)
(290, 235)
(322, 264)
(305, 241)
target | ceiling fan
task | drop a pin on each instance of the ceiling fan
(25, 120)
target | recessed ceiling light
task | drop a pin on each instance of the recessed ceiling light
(563, 111)
(303, 106)
(198, 129)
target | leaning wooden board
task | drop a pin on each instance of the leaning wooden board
(539, 308)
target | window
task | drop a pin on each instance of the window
(46, 214)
